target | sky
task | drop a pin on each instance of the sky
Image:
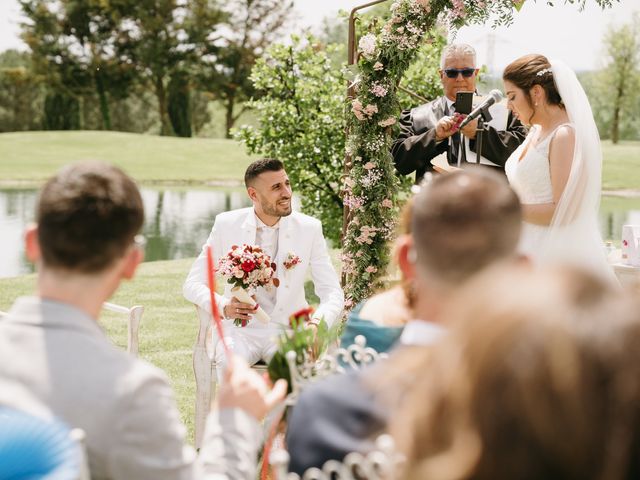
(561, 31)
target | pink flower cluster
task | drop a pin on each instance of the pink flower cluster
(247, 266)
(363, 113)
(378, 90)
(387, 122)
(353, 202)
(366, 234)
(458, 9)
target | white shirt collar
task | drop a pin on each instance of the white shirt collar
(421, 333)
(261, 224)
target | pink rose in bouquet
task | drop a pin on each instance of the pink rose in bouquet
(247, 267)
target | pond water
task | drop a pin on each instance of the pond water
(178, 221)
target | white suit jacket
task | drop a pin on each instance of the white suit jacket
(299, 234)
(56, 361)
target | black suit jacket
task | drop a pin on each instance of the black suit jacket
(416, 145)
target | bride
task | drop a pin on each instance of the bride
(557, 170)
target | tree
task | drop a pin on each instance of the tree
(179, 104)
(301, 122)
(21, 93)
(616, 85)
(229, 55)
(301, 118)
(74, 45)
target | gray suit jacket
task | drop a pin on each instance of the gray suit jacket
(56, 361)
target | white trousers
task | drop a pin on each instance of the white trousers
(252, 344)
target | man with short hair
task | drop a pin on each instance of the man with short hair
(430, 129)
(55, 361)
(271, 224)
(462, 223)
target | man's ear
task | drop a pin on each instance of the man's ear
(31, 243)
(132, 259)
(253, 194)
(406, 252)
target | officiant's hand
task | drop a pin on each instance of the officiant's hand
(470, 128)
(446, 126)
(245, 389)
(240, 310)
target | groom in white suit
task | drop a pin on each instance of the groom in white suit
(281, 233)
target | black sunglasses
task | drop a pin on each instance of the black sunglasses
(453, 72)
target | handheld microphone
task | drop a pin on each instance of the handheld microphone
(494, 96)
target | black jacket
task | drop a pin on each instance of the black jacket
(416, 145)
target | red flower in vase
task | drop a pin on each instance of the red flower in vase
(248, 266)
(301, 316)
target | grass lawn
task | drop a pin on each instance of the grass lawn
(169, 324)
(34, 156)
(621, 166)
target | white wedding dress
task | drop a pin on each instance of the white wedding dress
(529, 175)
(573, 236)
(570, 242)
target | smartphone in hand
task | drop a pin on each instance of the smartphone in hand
(464, 102)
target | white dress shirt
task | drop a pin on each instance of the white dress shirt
(267, 239)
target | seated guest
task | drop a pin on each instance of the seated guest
(282, 234)
(381, 318)
(462, 223)
(539, 379)
(56, 361)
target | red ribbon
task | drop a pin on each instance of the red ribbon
(211, 274)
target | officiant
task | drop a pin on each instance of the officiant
(429, 130)
(296, 245)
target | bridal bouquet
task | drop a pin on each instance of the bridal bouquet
(247, 267)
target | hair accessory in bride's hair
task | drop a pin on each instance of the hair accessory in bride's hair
(542, 72)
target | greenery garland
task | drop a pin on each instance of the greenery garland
(370, 189)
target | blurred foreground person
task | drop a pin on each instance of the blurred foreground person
(56, 361)
(539, 379)
(462, 223)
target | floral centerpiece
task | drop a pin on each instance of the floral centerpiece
(247, 268)
(309, 343)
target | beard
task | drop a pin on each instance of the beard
(277, 209)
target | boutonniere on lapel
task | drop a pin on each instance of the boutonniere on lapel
(290, 261)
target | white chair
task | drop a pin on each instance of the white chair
(383, 463)
(205, 370)
(134, 317)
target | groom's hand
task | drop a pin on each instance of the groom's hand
(237, 309)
